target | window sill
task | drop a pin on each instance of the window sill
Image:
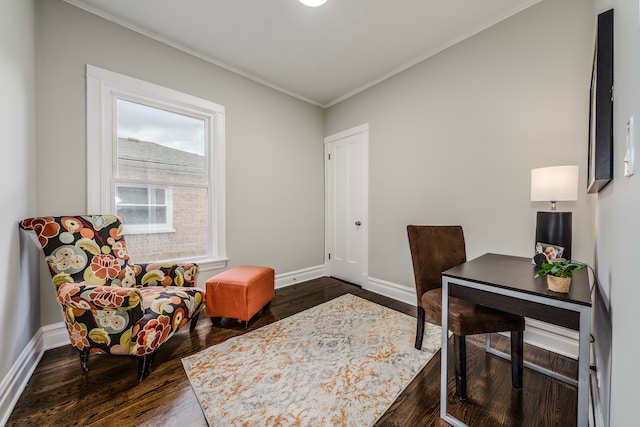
(129, 230)
(210, 264)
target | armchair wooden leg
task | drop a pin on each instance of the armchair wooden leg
(144, 366)
(194, 322)
(517, 361)
(419, 328)
(84, 360)
(460, 350)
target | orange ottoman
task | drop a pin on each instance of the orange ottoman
(239, 293)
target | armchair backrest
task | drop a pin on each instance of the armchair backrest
(434, 249)
(84, 248)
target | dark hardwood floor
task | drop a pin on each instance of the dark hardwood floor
(60, 394)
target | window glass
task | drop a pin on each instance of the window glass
(160, 153)
(154, 142)
(143, 205)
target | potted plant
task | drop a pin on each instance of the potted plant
(559, 273)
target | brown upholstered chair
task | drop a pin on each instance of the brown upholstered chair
(435, 249)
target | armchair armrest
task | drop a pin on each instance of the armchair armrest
(166, 274)
(87, 296)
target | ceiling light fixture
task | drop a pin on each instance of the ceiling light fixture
(313, 3)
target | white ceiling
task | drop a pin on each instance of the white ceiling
(321, 55)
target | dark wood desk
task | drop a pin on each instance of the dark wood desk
(507, 283)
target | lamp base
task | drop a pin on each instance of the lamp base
(555, 228)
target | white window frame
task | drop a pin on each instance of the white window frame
(166, 227)
(103, 87)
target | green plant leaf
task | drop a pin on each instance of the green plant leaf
(560, 267)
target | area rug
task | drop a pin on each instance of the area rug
(341, 363)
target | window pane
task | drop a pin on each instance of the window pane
(190, 235)
(132, 195)
(157, 145)
(127, 195)
(142, 215)
(158, 196)
(161, 147)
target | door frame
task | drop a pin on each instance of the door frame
(364, 130)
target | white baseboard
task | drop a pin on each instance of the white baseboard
(18, 376)
(540, 334)
(55, 335)
(392, 290)
(551, 337)
(299, 276)
(544, 335)
(595, 403)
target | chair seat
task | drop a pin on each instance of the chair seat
(179, 303)
(466, 318)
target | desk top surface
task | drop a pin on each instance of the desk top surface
(517, 273)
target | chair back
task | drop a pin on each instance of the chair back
(84, 248)
(434, 249)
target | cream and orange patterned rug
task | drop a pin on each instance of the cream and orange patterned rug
(341, 363)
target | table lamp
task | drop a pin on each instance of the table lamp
(554, 184)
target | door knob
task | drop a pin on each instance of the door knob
(358, 223)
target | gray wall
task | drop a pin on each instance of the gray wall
(453, 139)
(19, 292)
(274, 159)
(618, 233)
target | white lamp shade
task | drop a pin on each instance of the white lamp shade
(553, 184)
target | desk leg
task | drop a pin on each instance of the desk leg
(444, 357)
(444, 360)
(583, 367)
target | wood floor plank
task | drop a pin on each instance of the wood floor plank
(60, 394)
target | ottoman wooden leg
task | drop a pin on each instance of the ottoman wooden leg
(216, 320)
(266, 308)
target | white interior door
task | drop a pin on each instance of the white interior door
(346, 167)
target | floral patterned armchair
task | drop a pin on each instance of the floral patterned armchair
(110, 304)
